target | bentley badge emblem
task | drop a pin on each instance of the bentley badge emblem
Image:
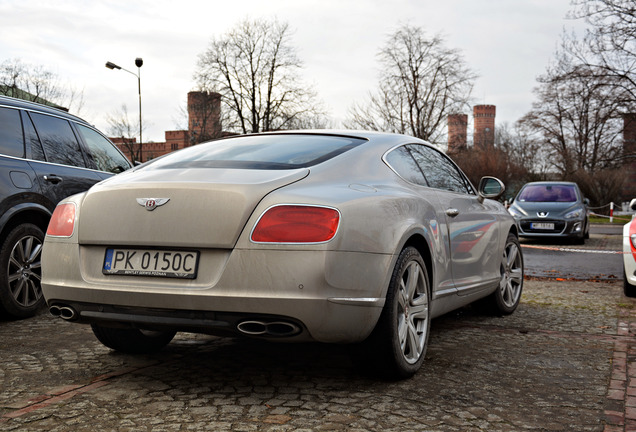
(152, 203)
(541, 214)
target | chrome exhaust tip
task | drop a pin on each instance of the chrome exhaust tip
(282, 329)
(55, 311)
(274, 328)
(68, 313)
(252, 328)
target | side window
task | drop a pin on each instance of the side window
(34, 146)
(11, 138)
(58, 139)
(439, 171)
(103, 152)
(401, 161)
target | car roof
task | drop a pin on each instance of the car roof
(339, 132)
(551, 183)
(8, 101)
(376, 138)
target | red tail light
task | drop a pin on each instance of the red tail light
(296, 224)
(62, 222)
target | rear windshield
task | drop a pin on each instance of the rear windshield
(548, 193)
(268, 152)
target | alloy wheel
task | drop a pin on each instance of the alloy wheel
(511, 275)
(25, 271)
(413, 312)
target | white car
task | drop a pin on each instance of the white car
(629, 255)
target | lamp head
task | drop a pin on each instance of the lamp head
(139, 62)
(111, 65)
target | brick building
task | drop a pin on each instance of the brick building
(204, 123)
(483, 129)
(457, 127)
(204, 116)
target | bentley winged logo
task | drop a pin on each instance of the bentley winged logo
(152, 203)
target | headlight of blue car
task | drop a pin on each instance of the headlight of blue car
(574, 214)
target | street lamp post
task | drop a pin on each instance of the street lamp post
(138, 62)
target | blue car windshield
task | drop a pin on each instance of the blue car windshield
(266, 152)
(548, 193)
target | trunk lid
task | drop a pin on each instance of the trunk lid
(206, 208)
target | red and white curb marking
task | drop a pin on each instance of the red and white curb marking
(563, 249)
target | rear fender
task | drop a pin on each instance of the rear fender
(24, 212)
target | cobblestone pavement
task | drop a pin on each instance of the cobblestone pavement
(564, 361)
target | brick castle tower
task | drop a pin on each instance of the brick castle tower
(484, 128)
(204, 116)
(457, 135)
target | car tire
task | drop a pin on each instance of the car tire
(398, 343)
(507, 296)
(628, 289)
(580, 240)
(132, 340)
(21, 271)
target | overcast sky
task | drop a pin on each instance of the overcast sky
(506, 42)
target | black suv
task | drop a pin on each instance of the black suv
(46, 155)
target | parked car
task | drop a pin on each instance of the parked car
(336, 237)
(629, 255)
(552, 209)
(46, 155)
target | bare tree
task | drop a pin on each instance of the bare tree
(421, 83)
(256, 70)
(120, 126)
(524, 153)
(37, 84)
(514, 159)
(578, 116)
(610, 42)
(601, 187)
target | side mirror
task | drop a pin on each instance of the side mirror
(490, 187)
(632, 204)
(586, 202)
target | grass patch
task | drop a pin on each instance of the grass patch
(618, 220)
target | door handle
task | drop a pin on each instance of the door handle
(52, 178)
(452, 212)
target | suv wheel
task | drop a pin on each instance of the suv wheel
(21, 271)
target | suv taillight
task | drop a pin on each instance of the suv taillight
(296, 224)
(62, 222)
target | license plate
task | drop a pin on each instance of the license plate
(542, 226)
(151, 262)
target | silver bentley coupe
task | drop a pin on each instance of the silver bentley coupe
(328, 236)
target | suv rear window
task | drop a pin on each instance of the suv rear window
(11, 139)
(60, 144)
(268, 152)
(105, 156)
